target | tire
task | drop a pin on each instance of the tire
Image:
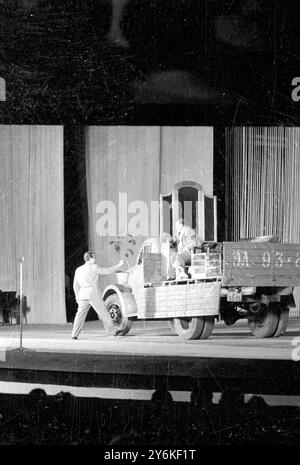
(189, 328)
(171, 325)
(114, 307)
(209, 323)
(263, 325)
(282, 322)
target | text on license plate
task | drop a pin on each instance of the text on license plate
(234, 297)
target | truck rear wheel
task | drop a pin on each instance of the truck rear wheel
(209, 323)
(199, 327)
(282, 322)
(189, 328)
(120, 320)
(263, 324)
(171, 325)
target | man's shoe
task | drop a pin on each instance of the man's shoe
(74, 337)
(117, 332)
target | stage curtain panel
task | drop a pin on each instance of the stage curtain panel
(187, 155)
(263, 183)
(123, 166)
(32, 218)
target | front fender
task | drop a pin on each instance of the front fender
(128, 302)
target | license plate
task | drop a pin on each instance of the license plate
(234, 297)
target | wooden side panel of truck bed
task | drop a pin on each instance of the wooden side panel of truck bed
(261, 264)
(179, 300)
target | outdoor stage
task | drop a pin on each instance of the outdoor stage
(148, 355)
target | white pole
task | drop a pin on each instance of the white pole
(21, 260)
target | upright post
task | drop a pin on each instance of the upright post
(21, 260)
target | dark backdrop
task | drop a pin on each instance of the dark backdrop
(60, 67)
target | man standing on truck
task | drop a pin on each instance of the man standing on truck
(186, 240)
(87, 293)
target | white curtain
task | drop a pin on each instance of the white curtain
(32, 218)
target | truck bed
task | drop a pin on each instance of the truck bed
(261, 264)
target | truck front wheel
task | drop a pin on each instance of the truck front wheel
(120, 320)
(263, 324)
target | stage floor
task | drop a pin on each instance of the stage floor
(146, 338)
(149, 338)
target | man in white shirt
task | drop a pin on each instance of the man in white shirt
(186, 241)
(88, 295)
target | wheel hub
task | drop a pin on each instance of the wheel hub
(185, 322)
(255, 308)
(115, 313)
(258, 314)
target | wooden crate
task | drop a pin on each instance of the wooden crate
(179, 300)
(261, 264)
(206, 265)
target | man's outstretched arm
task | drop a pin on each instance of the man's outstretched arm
(110, 269)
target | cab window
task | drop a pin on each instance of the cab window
(147, 248)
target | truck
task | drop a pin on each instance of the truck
(250, 279)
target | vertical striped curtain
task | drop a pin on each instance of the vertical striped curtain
(32, 218)
(263, 183)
